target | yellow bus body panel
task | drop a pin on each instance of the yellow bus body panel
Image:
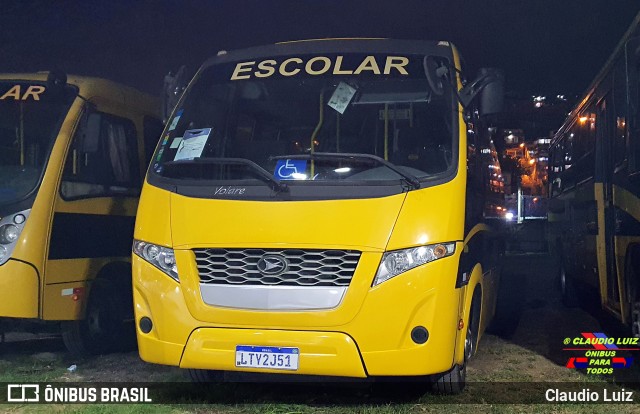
(321, 353)
(432, 215)
(346, 224)
(155, 224)
(62, 304)
(19, 282)
(417, 298)
(36, 281)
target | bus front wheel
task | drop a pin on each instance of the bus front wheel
(203, 376)
(104, 328)
(452, 381)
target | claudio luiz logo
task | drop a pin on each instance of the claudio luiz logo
(599, 354)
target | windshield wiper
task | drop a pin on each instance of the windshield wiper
(410, 179)
(275, 184)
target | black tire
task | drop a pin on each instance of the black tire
(106, 327)
(473, 327)
(452, 381)
(204, 376)
(567, 288)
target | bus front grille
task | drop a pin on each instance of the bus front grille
(285, 267)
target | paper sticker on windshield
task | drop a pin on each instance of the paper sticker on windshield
(291, 170)
(176, 119)
(192, 144)
(341, 97)
(175, 143)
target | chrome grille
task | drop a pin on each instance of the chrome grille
(305, 267)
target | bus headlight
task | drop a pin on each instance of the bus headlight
(10, 228)
(161, 257)
(9, 233)
(399, 261)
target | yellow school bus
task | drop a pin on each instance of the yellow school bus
(318, 208)
(73, 151)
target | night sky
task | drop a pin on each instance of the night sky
(544, 46)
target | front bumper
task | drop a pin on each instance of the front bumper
(374, 340)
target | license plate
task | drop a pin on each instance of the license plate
(267, 357)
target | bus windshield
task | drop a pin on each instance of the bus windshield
(334, 118)
(30, 118)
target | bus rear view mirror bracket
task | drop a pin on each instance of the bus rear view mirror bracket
(174, 85)
(436, 70)
(488, 86)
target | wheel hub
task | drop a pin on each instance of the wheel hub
(469, 344)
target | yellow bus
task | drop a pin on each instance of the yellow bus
(73, 151)
(317, 208)
(594, 180)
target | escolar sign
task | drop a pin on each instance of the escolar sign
(319, 65)
(17, 94)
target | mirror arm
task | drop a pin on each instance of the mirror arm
(443, 71)
(173, 87)
(470, 91)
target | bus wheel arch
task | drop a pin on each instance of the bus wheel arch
(454, 380)
(107, 322)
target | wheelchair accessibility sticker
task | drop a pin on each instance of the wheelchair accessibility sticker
(291, 170)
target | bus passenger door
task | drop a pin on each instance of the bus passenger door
(609, 288)
(94, 213)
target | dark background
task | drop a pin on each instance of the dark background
(544, 46)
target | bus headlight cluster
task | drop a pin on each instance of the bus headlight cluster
(161, 257)
(10, 228)
(9, 233)
(399, 261)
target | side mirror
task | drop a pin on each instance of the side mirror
(91, 134)
(489, 84)
(492, 94)
(174, 85)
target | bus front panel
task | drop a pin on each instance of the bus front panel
(305, 209)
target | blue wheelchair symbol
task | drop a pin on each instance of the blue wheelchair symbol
(285, 169)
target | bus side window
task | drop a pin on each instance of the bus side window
(103, 159)
(152, 131)
(620, 109)
(557, 166)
